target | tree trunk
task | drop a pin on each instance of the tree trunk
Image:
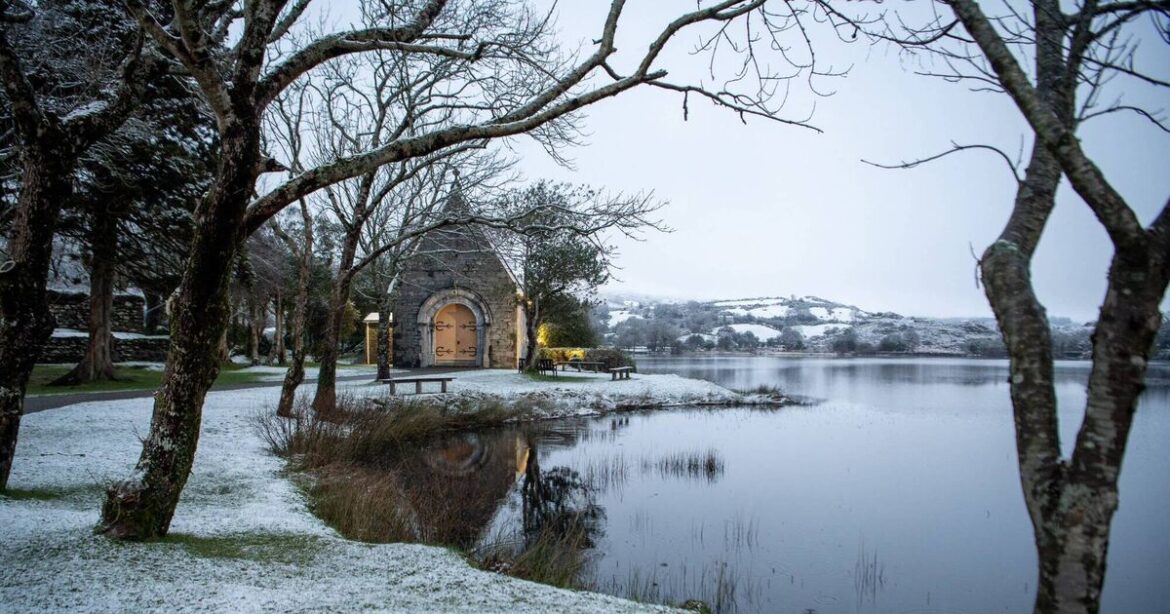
(223, 349)
(155, 317)
(46, 182)
(531, 327)
(296, 372)
(257, 318)
(1077, 521)
(325, 400)
(385, 330)
(98, 362)
(277, 353)
(141, 507)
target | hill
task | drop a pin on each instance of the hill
(809, 324)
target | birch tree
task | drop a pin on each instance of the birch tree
(1058, 67)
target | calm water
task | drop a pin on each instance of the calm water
(897, 493)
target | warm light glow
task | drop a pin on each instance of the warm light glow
(542, 334)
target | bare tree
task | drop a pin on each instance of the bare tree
(515, 82)
(50, 134)
(361, 103)
(303, 251)
(1072, 57)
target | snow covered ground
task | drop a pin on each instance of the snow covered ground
(275, 373)
(242, 538)
(837, 314)
(815, 330)
(617, 317)
(73, 332)
(763, 333)
(590, 393)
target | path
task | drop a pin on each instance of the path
(53, 401)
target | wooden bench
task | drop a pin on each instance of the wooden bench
(417, 381)
(580, 365)
(620, 373)
(546, 365)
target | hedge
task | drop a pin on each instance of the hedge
(609, 357)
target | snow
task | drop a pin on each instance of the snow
(73, 332)
(837, 314)
(275, 373)
(617, 317)
(773, 311)
(816, 330)
(842, 314)
(239, 494)
(765, 312)
(704, 336)
(763, 333)
(749, 302)
(592, 393)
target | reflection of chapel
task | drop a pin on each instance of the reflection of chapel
(455, 302)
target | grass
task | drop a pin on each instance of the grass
(361, 503)
(131, 378)
(50, 494)
(706, 465)
(288, 549)
(362, 474)
(763, 390)
(557, 556)
(356, 478)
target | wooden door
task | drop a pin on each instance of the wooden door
(455, 336)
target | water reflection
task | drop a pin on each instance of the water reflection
(451, 487)
(898, 494)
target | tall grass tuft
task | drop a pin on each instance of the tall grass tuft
(706, 465)
(361, 430)
(344, 458)
(557, 555)
(363, 504)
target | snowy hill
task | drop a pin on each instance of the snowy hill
(811, 324)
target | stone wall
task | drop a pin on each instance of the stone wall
(464, 261)
(70, 349)
(71, 309)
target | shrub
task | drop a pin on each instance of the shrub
(563, 354)
(609, 357)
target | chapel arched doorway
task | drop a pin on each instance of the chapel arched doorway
(456, 336)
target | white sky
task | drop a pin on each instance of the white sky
(769, 209)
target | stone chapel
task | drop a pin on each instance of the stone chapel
(455, 302)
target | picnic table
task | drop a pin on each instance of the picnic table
(418, 382)
(581, 365)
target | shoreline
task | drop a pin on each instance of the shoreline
(243, 537)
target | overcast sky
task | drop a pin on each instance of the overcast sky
(767, 209)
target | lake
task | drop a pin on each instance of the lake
(897, 492)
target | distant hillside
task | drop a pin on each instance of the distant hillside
(809, 324)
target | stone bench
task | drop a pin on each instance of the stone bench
(417, 381)
(620, 373)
